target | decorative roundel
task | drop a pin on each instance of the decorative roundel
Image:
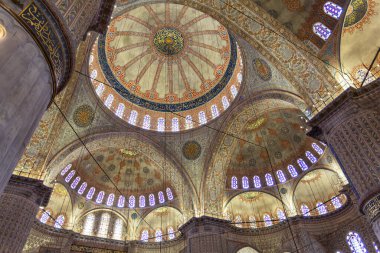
(355, 12)
(262, 69)
(83, 116)
(168, 41)
(191, 150)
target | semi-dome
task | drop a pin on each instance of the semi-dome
(166, 67)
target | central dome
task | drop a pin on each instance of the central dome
(174, 66)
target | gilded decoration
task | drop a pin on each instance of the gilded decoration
(168, 41)
(191, 150)
(262, 69)
(83, 116)
(358, 14)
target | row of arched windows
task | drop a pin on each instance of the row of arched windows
(132, 202)
(104, 226)
(267, 220)
(158, 235)
(321, 207)
(334, 11)
(59, 221)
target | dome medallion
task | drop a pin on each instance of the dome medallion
(168, 41)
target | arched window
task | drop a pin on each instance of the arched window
(302, 164)
(238, 221)
(45, 217)
(110, 199)
(252, 221)
(66, 169)
(94, 74)
(59, 221)
(161, 197)
(146, 122)
(245, 182)
(169, 194)
(355, 243)
(144, 236)
(202, 118)
(104, 224)
(317, 148)
(257, 182)
(311, 157)
(88, 225)
(132, 202)
(214, 111)
(333, 10)
(336, 202)
(305, 210)
(120, 110)
(175, 125)
(240, 77)
(99, 198)
(233, 91)
(171, 233)
(268, 220)
(117, 229)
(281, 215)
(375, 247)
(142, 201)
(292, 171)
(234, 182)
(82, 188)
(75, 183)
(321, 30)
(189, 122)
(281, 177)
(133, 117)
(100, 89)
(269, 179)
(152, 200)
(121, 201)
(158, 235)
(109, 101)
(161, 124)
(321, 208)
(225, 102)
(90, 193)
(70, 176)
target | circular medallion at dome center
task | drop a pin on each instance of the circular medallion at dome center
(168, 41)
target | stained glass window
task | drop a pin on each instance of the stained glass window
(202, 117)
(121, 201)
(169, 194)
(233, 91)
(257, 182)
(161, 124)
(110, 199)
(225, 102)
(161, 198)
(171, 233)
(333, 10)
(175, 124)
(281, 215)
(93, 74)
(142, 201)
(321, 208)
(146, 122)
(214, 111)
(45, 216)
(292, 171)
(66, 169)
(281, 177)
(133, 117)
(245, 182)
(104, 225)
(302, 164)
(268, 220)
(355, 243)
(240, 77)
(109, 101)
(70, 176)
(152, 200)
(91, 59)
(90, 193)
(317, 148)
(158, 235)
(117, 229)
(99, 198)
(89, 223)
(75, 183)
(59, 221)
(100, 89)
(269, 179)
(252, 221)
(321, 30)
(311, 157)
(189, 122)
(375, 247)
(144, 236)
(234, 182)
(120, 110)
(238, 221)
(305, 210)
(82, 188)
(132, 202)
(336, 202)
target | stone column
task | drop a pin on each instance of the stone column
(19, 204)
(350, 125)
